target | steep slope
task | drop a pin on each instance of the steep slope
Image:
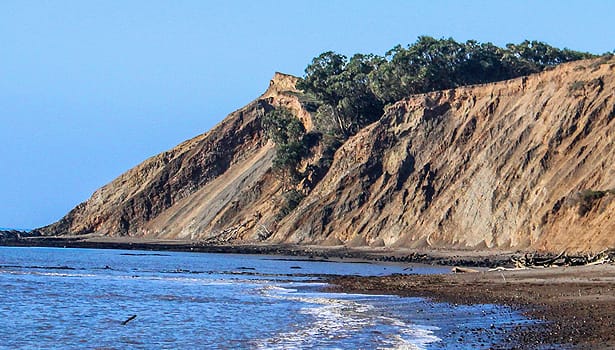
(495, 166)
(524, 164)
(193, 190)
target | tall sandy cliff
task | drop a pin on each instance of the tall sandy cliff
(527, 163)
(202, 188)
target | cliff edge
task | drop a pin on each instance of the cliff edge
(523, 164)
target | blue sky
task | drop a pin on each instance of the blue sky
(89, 89)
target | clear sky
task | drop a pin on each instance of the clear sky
(88, 89)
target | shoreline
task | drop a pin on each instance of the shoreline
(576, 304)
(444, 257)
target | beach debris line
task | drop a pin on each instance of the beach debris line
(129, 319)
(530, 260)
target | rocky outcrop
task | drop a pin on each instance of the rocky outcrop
(522, 164)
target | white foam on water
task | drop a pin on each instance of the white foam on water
(188, 280)
(52, 274)
(267, 289)
(339, 319)
(183, 280)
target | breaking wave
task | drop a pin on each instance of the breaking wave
(335, 319)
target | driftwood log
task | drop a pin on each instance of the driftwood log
(458, 269)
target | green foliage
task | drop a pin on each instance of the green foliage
(353, 92)
(309, 101)
(588, 197)
(292, 199)
(282, 127)
(432, 64)
(342, 86)
(287, 158)
(329, 144)
(603, 59)
(591, 195)
(320, 74)
(534, 56)
(582, 84)
(576, 85)
(289, 136)
(346, 94)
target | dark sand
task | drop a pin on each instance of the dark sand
(576, 303)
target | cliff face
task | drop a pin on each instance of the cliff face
(196, 189)
(523, 164)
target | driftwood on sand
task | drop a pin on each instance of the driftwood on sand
(530, 260)
(458, 269)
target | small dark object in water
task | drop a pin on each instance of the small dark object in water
(129, 319)
(295, 267)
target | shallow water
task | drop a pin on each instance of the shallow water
(78, 298)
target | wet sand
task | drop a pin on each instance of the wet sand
(576, 303)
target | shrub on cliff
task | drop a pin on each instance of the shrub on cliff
(282, 127)
(292, 199)
(288, 134)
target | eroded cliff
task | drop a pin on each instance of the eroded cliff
(523, 164)
(196, 190)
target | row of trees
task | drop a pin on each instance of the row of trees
(351, 93)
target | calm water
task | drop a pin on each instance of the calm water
(78, 298)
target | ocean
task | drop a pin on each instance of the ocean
(117, 299)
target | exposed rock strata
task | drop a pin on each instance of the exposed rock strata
(503, 165)
(198, 189)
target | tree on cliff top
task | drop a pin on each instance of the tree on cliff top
(353, 92)
(342, 86)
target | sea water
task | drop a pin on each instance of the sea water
(86, 298)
